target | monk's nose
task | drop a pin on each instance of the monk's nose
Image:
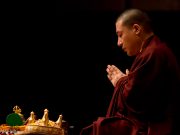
(119, 43)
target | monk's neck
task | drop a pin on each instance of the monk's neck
(145, 39)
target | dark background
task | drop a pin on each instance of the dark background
(59, 61)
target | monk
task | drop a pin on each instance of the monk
(145, 97)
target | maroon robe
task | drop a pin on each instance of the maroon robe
(143, 102)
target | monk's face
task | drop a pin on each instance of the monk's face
(128, 38)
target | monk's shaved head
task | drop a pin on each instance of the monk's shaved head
(135, 16)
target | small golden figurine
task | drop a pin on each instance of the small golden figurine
(59, 121)
(31, 119)
(45, 118)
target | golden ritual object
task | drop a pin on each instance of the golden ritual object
(31, 119)
(17, 110)
(59, 121)
(43, 126)
(16, 118)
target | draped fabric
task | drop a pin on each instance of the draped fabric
(144, 102)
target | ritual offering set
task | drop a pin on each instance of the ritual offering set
(17, 125)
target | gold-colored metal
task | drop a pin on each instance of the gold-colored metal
(31, 119)
(45, 118)
(43, 125)
(59, 121)
(17, 110)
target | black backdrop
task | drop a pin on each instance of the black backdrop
(59, 63)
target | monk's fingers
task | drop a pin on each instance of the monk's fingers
(127, 71)
(109, 77)
(116, 69)
(112, 71)
(109, 71)
(112, 68)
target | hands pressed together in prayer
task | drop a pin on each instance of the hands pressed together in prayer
(114, 74)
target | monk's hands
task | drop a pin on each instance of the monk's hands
(114, 74)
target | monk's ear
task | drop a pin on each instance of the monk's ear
(136, 28)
